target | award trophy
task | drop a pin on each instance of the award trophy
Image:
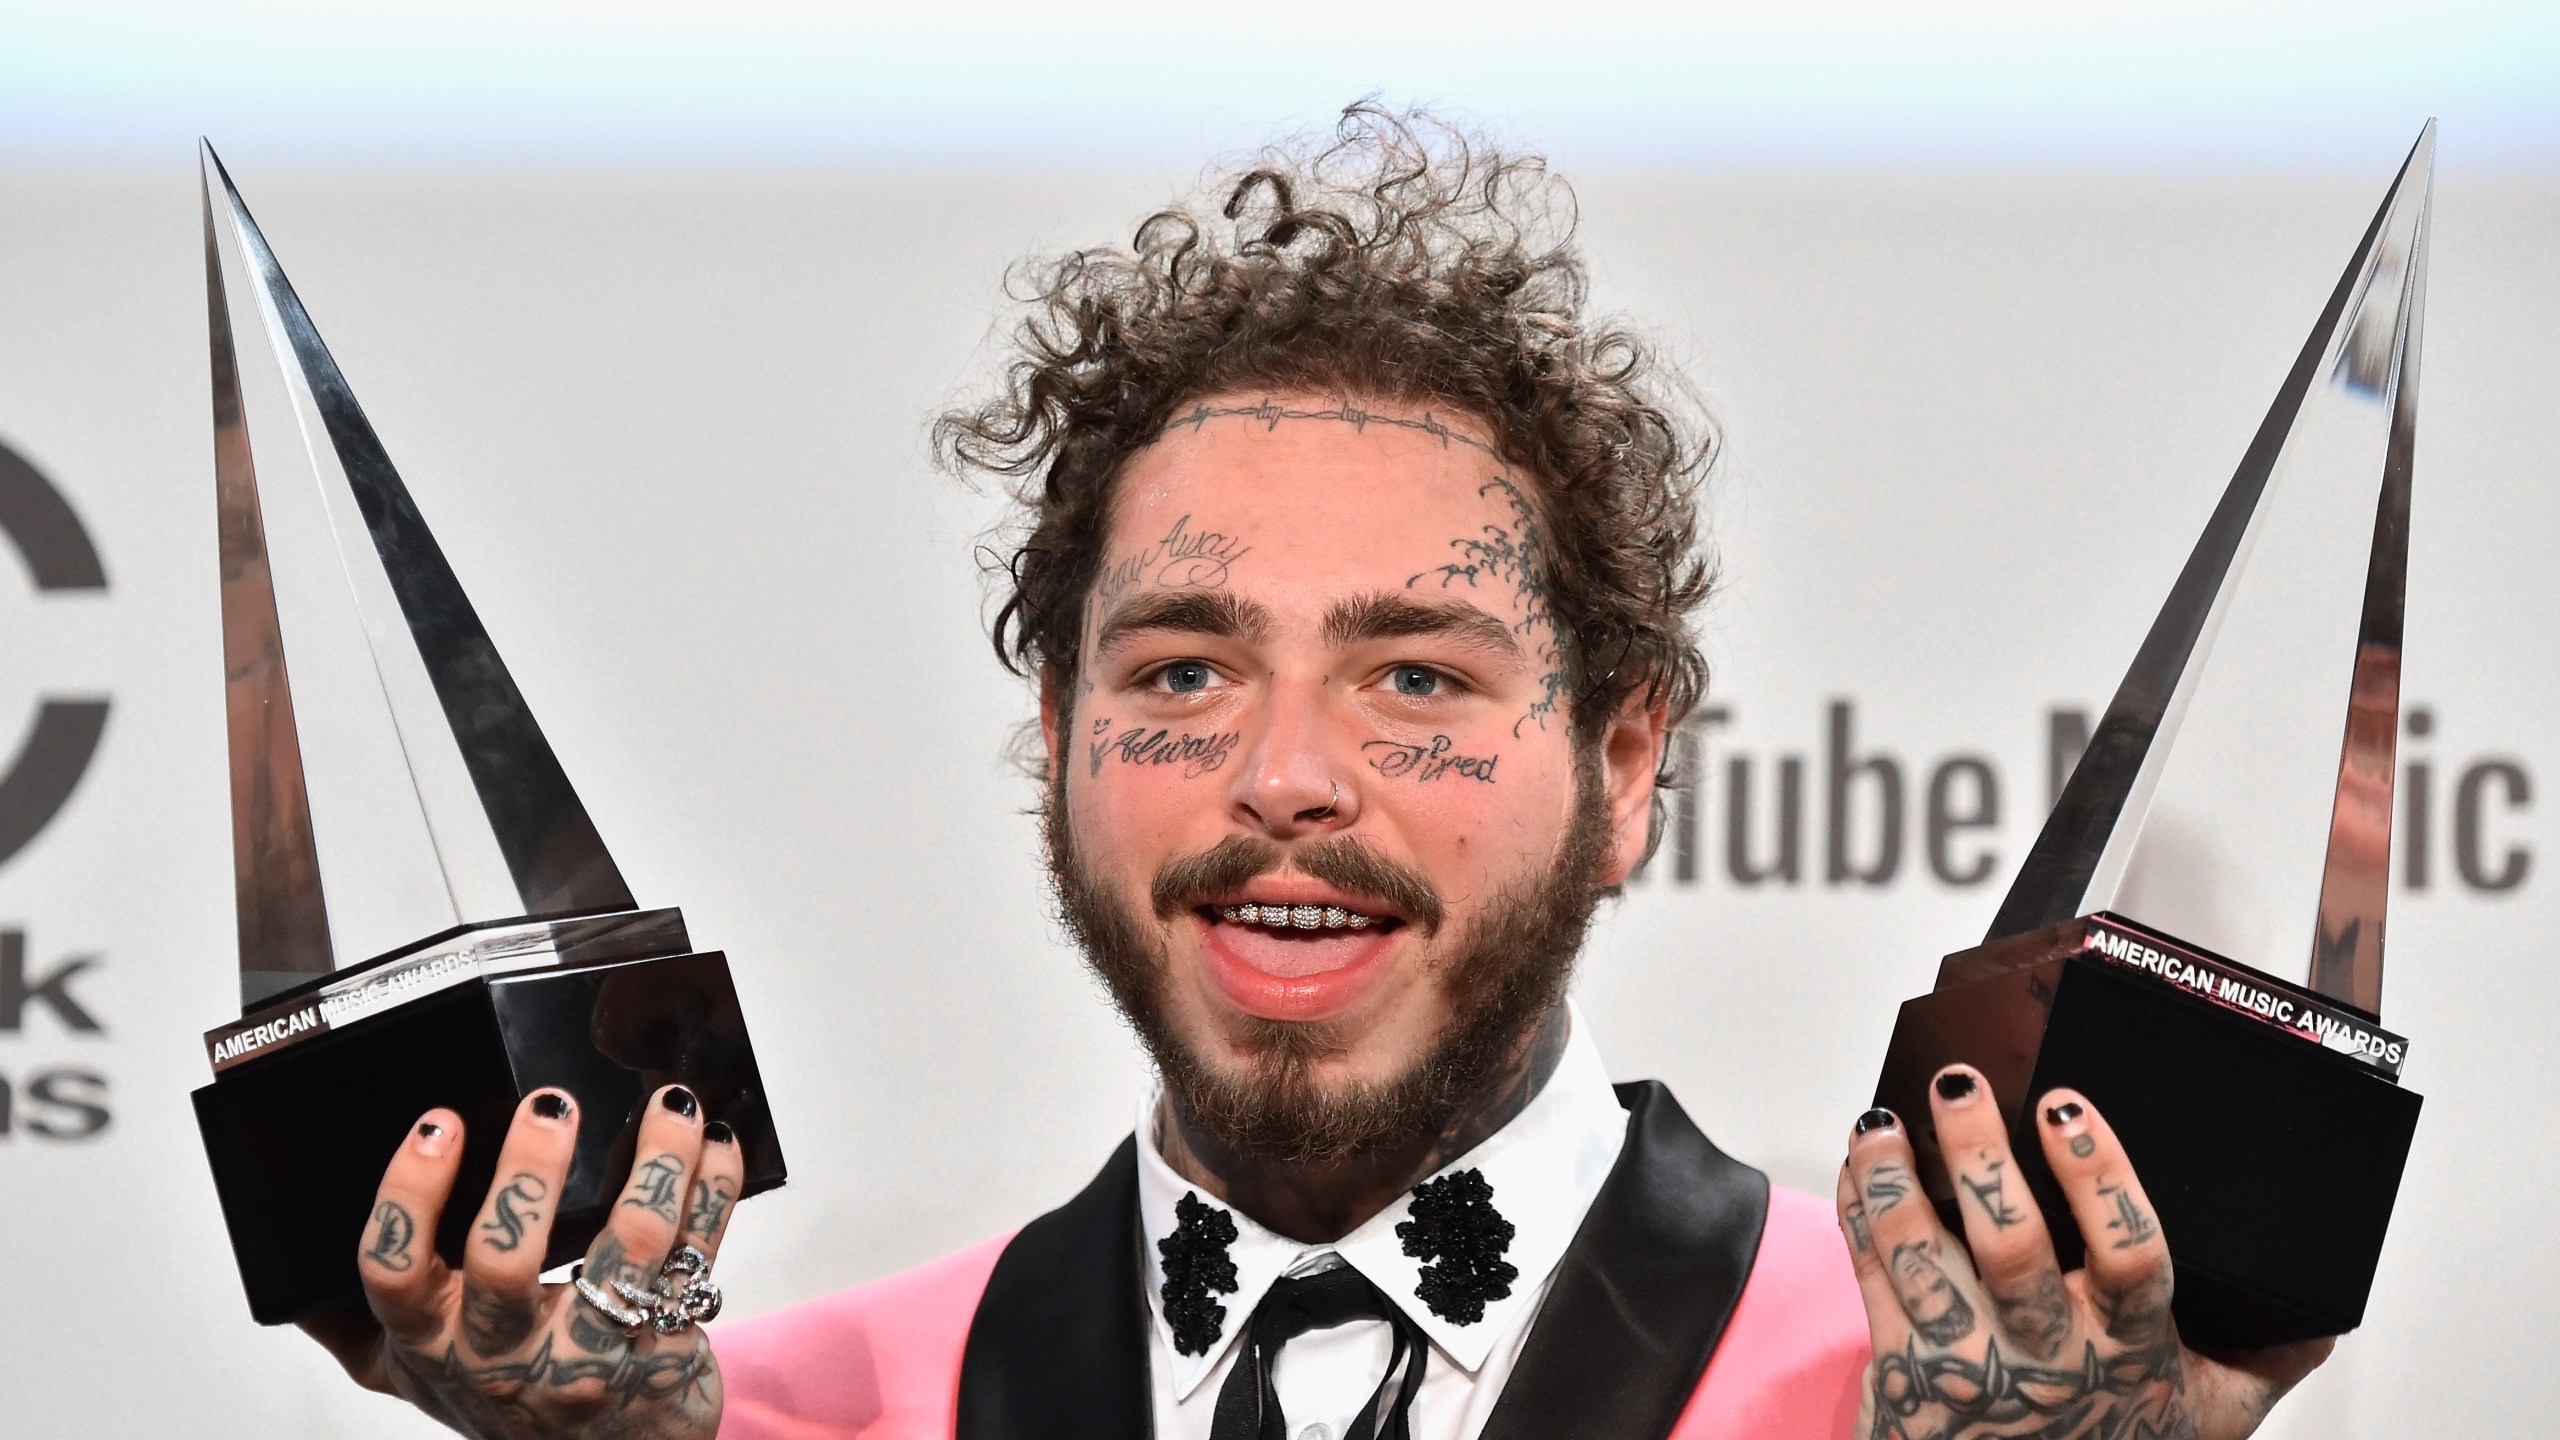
(2215, 826)
(396, 786)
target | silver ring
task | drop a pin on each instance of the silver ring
(681, 1296)
(684, 1292)
(630, 1318)
(1331, 801)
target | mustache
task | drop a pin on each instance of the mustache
(1344, 862)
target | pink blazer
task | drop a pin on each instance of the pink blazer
(882, 1361)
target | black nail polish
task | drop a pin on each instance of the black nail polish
(718, 1132)
(681, 1101)
(1876, 1119)
(1955, 1085)
(551, 1105)
(428, 1129)
(2062, 1114)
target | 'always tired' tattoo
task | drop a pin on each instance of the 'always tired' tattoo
(1426, 763)
(1138, 745)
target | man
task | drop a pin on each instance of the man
(1355, 575)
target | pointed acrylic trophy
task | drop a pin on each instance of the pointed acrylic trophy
(2215, 837)
(396, 787)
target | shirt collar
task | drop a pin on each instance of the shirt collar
(1545, 1166)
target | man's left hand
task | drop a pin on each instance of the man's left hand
(2001, 1342)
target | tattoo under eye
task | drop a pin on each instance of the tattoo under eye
(1424, 764)
(1137, 745)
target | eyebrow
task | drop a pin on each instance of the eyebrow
(1384, 615)
(1192, 612)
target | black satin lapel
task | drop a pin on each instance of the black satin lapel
(1642, 1295)
(1058, 1348)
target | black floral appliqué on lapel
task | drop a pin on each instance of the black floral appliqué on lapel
(1461, 1237)
(1195, 1267)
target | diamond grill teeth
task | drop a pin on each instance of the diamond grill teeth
(1297, 917)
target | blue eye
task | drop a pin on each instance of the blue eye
(1415, 680)
(1185, 677)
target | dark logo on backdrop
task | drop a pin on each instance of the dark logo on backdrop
(1843, 808)
(51, 543)
(55, 1102)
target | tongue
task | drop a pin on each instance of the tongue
(1293, 953)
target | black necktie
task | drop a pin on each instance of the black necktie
(1249, 1409)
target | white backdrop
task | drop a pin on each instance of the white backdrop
(669, 428)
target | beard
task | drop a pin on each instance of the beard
(1500, 974)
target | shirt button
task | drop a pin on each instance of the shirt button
(1317, 1431)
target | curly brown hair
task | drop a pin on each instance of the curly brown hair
(1398, 259)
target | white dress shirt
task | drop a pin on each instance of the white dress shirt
(1545, 1166)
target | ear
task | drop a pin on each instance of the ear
(1055, 715)
(1630, 758)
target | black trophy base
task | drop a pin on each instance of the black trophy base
(299, 1137)
(2272, 1162)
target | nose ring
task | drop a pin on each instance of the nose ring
(1330, 802)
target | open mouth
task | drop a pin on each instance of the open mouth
(1295, 918)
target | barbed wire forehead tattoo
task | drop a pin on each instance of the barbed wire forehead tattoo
(1271, 413)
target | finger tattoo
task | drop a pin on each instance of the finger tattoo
(653, 1187)
(1991, 1192)
(392, 1232)
(1938, 1310)
(492, 1323)
(1886, 1186)
(2041, 1317)
(513, 1206)
(2130, 1218)
(710, 1203)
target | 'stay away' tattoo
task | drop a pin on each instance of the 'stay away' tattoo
(653, 1187)
(1427, 763)
(1183, 560)
(1138, 745)
(512, 1212)
(1514, 556)
(392, 1232)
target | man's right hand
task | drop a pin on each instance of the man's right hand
(492, 1351)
